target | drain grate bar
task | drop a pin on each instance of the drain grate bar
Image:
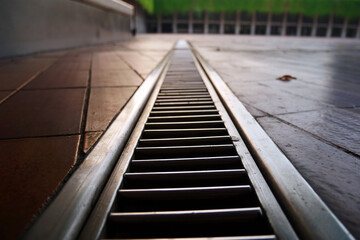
(185, 178)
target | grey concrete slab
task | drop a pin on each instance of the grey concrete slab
(42, 113)
(254, 111)
(321, 139)
(272, 100)
(326, 95)
(338, 126)
(334, 174)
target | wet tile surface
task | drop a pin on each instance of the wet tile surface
(104, 104)
(333, 174)
(141, 63)
(338, 126)
(30, 170)
(42, 113)
(52, 104)
(15, 74)
(60, 78)
(272, 100)
(115, 78)
(317, 135)
(108, 61)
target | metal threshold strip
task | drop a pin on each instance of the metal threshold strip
(190, 169)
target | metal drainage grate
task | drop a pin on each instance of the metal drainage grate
(185, 178)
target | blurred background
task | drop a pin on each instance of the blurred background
(29, 26)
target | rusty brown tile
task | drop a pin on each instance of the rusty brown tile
(42, 113)
(13, 75)
(30, 170)
(60, 78)
(89, 139)
(110, 65)
(109, 78)
(104, 104)
(25, 64)
(108, 61)
(12, 80)
(4, 94)
(74, 65)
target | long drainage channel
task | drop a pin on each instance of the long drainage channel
(188, 172)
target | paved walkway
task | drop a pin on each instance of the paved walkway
(315, 119)
(55, 106)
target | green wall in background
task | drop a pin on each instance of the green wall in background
(342, 8)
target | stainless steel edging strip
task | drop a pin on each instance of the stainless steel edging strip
(64, 217)
(308, 213)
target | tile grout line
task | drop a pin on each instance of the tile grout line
(26, 83)
(137, 73)
(301, 129)
(80, 152)
(311, 134)
(40, 136)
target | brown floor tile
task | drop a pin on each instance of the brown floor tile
(108, 61)
(110, 65)
(73, 65)
(108, 78)
(42, 113)
(4, 94)
(104, 104)
(89, 139)
(60, 78)
(30, 170)
(12, 80)
(78, 57)
(15, 74)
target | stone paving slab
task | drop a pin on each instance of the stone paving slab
(313, 118)
(16, 73)
(42, 113)
(104, 104)
(60, 78)
(108, 61)
(30, 171)
(272, 100)
(51, 93)
(115, 78)
(4, 94)
(333, 174)
(338, 126)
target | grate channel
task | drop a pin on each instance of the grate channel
(185, 178)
